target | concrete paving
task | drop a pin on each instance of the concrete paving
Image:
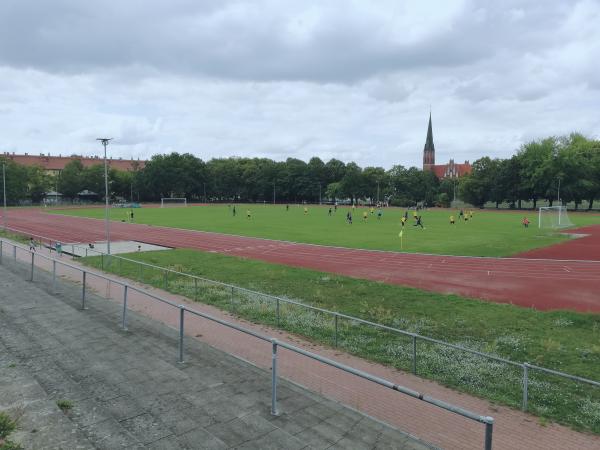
(128, 390)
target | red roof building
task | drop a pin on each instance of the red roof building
(55, 164)
(450, 170)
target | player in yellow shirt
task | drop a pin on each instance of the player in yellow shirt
(364, 216)
(305, 211)
(451, 220)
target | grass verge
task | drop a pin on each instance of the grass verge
(561, 340)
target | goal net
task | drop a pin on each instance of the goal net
(554, 217)
(171, 201)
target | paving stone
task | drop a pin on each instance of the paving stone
(129, 391)
(146, 428)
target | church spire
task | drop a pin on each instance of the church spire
(429, 149)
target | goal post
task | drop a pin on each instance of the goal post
(167, 202)
(553, 217)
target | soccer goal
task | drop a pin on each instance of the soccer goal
(168, 202)
(553, 217)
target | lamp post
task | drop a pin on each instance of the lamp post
(104, 142)
(558, 192)
(377, 191)
(273, 192)
(4, 191)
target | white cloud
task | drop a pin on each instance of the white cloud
(347, 79)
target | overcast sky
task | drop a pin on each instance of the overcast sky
(347, 79)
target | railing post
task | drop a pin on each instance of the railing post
(335, 332)
(120, 266)
(141, 266)
(15, 252)
(1, 250)
(196, 289)
(102, 260)
(86, 252)
(489, 429)
(414, 354)
(166, 279)
(278, 313)
(181, 312)
(124, 325)
(53, 275)
(83, 290)
(232, 305)
(525, 386)
(274, 411)
(32, 262)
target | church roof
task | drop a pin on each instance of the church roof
(429, 141)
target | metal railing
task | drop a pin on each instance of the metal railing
(524, 367)
(275, 343)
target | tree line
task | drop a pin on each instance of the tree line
(532, 174)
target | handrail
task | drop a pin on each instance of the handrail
(486, 420)
(333, 313)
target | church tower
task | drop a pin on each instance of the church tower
(429, 149)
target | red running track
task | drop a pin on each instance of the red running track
(542, 284)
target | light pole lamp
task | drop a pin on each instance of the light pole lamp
(104, 142)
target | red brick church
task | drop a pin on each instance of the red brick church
(450, 170)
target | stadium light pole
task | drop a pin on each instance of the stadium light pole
(377, 191)
(104, 142)
(4, 192)
(558, 192)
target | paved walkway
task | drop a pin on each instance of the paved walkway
(513, 429)
(543, 284)
(128, 391)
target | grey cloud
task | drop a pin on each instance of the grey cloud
(252, 41)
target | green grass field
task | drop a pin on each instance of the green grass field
(489, 233)
(561, 340)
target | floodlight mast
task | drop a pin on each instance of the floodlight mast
(104, 142)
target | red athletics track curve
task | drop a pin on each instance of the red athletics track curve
(543, 284)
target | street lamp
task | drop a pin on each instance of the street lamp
(4, 191)
(104, 142)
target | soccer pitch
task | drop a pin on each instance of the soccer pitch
(488, 233)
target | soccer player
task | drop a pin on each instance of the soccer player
(305, 210)
(335, 207)
(31, 245)
(131, 216)
(330, 210)
(419, 222)
(451, 220)
(372, 210)
(460, 214)
(287, 207)
(349, 217)
(379, 214)
(233, 210)
(248, 214)
(403, 221)
(364, 216)
(525, 222)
